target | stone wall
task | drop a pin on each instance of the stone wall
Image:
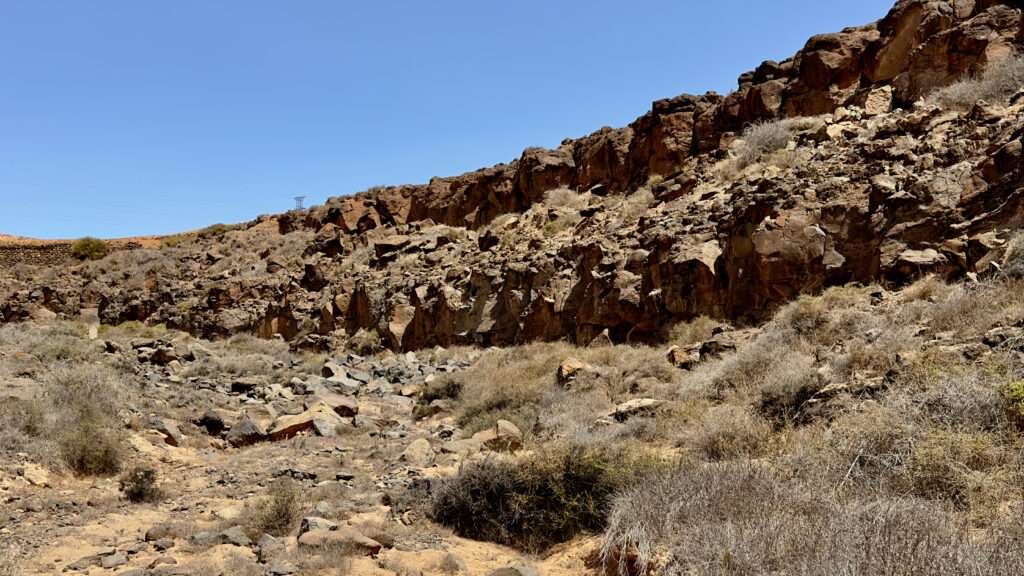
(35, 254)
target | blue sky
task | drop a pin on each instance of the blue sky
(130, 117)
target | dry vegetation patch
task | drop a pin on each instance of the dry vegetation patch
(540, 500)
(996, 84)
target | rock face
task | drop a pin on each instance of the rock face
(874, 186)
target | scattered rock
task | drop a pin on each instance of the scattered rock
(636, 407)
(311, 523)
(246, 433)
(346, 538)
(320, 418)
(519, 570)
(419, 453)
(503, 437)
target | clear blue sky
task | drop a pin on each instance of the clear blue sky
(128, 117)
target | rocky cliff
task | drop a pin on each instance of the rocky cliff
(621, 233)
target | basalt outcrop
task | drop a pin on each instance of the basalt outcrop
(646, 226)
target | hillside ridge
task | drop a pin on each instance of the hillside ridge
(824, 169)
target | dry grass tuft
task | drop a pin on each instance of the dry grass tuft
(996, 84)
(730, 432)
(279, 512)
(744, 518)
(759, 139)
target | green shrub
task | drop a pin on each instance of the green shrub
(89, 248)
(172, 241)
(215, 231)
(140, 485)
(545, 500)
(1014, 395)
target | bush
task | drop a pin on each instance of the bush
(445, 387)
(140, 485)
(761, 138)
(787, 387)
(88, 448)
(743, 519)
(278, 513)
(89, 248)
(215, 230)
(565, 198)
(539, 502)
(519, 384)
(1013, 258)
(172, 241)
(1013, 393)
(996, 84)
(695, 331)
(729, 432)
(944, 462)
(366, 342)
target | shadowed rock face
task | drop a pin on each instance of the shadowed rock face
(875, 187)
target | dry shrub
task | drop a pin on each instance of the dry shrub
(746, 371)
(21, 422)
(745, 519)
(140, 484)
(761, 138)
(634, 206)
(1013, 258)
(59, 342)
(519, 385)
(995, 85)
(444, 387)
(249, 345)
(72, 420)
(544, 500)
(366, 342)
(692, 332)
(84, 402)
(508, 385)
(90, 448)
(946, 465)
(942, 433)
(963, 400)
(563, 222)
(730, 432)
(787, 386)
(277, 513)
(240, 355)
(930, 288)
(970, 310)
(565, 198)
(872, 446)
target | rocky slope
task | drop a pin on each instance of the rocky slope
(626, 231)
